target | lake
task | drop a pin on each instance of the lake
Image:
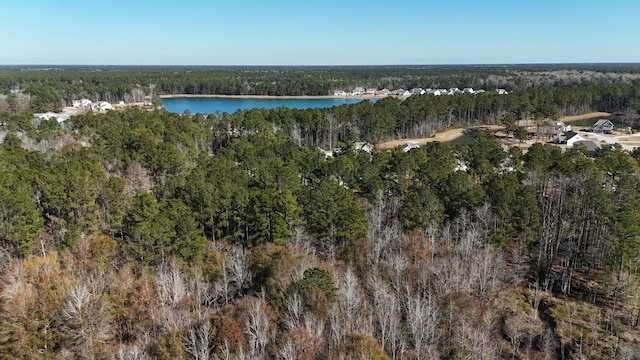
(210, 105)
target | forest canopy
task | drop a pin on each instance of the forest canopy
(146, 234)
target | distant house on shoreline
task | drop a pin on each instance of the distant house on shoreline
(401, 92)
(360, 91)
(357, 91)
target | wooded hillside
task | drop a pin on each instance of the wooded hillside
(141, 234)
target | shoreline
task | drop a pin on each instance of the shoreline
(298, 97)
(572, 118)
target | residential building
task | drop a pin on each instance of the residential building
(603, 126)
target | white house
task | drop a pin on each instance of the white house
(362, 146)
(401, 92)
(101, 106)
(81, 103)
(562, 127)
(371, 91)
(46, 116)
(357, 91)
(571, 138)
(383, 92)
(51, 115)
(502, 91)
(339, 93)
(418, 91)
(467, 91)
(327, 153)
(410, 145)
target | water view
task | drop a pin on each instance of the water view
(210, 105)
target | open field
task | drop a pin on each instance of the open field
(444, 136)
(568, 119)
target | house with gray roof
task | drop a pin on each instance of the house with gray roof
(603, 126)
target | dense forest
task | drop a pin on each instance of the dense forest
(57, 86)
(141, 234)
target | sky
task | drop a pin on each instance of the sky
(346, 32)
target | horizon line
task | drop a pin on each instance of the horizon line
(319, 65)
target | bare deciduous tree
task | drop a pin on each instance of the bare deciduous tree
(422, 321)
(86, 321)
(170, 283)
(257, 328)
(137, 178)
(387, 311)
(198, 341)
(295, 311)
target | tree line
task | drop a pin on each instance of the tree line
(58, 86)
(424, 115)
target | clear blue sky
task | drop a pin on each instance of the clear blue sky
(330, 32)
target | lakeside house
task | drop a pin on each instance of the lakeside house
(401, 92)
(502, 91)
(357, 91)
(603, 126)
